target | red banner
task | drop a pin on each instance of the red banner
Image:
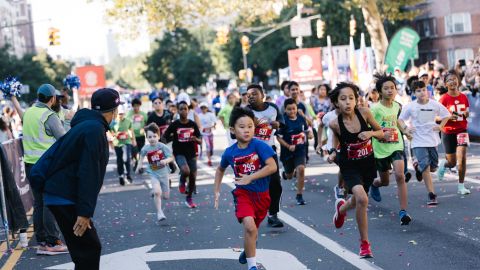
(305, 64)
(91, 78)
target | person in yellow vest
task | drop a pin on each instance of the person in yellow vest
(124, 140)
(41, 128)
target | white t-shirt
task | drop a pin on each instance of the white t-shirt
(264, 130)
(326, 119)
(422, 119)
(207, 120)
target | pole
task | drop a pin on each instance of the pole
(299, 41)
(245, 66)
(4, 209)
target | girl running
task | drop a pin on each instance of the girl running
(353, 131)
(208, 121)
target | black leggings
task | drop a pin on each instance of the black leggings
(275, 190)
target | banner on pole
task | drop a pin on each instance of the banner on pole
(305, 64)
(91, 78)
(401, 48)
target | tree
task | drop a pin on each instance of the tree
(127, 72)
(178, 59)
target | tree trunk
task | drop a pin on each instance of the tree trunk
(378, 37)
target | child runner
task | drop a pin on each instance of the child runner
(454, 134)
(185, 135)
(292, 140)
(389, 150)
(138, 119)
(253, 163)
(267, 121)
(158, 156)
(123, 142)
(352, 130)
(208, 121)
(424, 133)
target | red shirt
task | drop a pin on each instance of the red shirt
(460, 105)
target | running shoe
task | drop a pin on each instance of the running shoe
(189, 203)
(441, 170)
(418, 173)
(432, 199)
(129, 179)
(242, 258)
(408, 176)
(181, 187)
(339, 219)
(23, 239)
(365, 250)
(274, 221)
(300, 200)
(339, 192)
(161, 216)
(405, 219)
(52, 249)
(462, 190)
(121, 180)
(375, 193)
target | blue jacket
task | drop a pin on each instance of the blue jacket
(74, 166)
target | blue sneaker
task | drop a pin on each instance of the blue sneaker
(242, 258)
(375, 193)
(253, 268)
(441, 170)
(405, 219)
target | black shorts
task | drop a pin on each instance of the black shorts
(385, 164)
(450, 143)
(359, 176)
(289, 165)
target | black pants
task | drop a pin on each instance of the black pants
(275, 189)
(85, 250)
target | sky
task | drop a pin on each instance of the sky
(83, 30)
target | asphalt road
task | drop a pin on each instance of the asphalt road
(443, 237)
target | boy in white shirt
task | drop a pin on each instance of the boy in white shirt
(424, 133)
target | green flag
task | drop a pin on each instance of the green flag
(402, 47)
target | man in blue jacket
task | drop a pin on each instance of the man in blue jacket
(70, 175)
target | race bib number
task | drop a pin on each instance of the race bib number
(207, 130)
(393, 137)
(298, 138)
(463, 139)
(359, 150)
(185, 134)
(246, 164)
(162, 129)
(263, 132)
(122, 135)
(458, 110)
(154, 158)
(137, 121)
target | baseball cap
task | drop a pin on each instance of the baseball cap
(203, 104)
(422, 73)
(48, 90)
(243, 89)
(105, 100)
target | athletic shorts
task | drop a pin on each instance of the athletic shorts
(385, 164)
(251, 204)
(451, 143)
(163, 181)
(359, 176)
(426, 156)
(289, 165)
(182, 160)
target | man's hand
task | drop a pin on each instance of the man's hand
(243, 180)
(331, 158)
(82, 224)
(275, 124)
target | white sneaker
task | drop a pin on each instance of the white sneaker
(462, 190)
(23, 240)
(161, 216)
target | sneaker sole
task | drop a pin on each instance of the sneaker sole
(432, 203)
(51, 253)
(368, 256)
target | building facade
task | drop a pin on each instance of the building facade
(16, 29)
(449, 31)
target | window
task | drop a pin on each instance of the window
(458, 23)
(427, 27)
(457, 54)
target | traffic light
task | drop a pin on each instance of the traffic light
(320, 28)
(353, 26)
(53, 37)
(222, 35)
(245, 41)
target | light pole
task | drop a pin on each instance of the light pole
(245, 41)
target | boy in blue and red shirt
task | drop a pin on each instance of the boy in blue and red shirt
(253, 163)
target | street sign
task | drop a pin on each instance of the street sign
(305, 64)
(137, 258)
(401, 49)
(92, 78)
(300, 28)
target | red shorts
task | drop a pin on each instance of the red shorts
(251, 204)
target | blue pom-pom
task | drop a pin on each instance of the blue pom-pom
(71, 81)
(11, 87)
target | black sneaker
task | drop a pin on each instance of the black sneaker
(121, 180)
(405, 218)
(300, 200)
(418, 173)
(129, 178)
(274, 222)
(432, 199)
(408, 176)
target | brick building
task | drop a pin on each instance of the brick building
(449, 30)
(16, 27)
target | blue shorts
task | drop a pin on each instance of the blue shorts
(426, 156)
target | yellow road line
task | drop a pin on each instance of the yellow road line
(17, 252)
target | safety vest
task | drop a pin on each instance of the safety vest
(35, 139)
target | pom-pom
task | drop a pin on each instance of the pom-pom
(11, 87)
(71, 81)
